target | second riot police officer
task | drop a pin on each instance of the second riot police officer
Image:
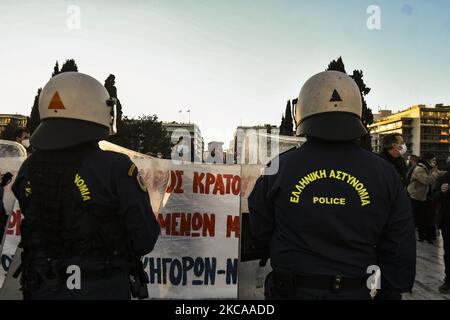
(334, 212)
(86, 211)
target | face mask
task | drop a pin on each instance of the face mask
(403, 150)
(26, 143)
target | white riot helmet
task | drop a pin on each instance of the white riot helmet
(74, 108)
(329, 107)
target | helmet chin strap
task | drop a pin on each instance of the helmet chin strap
(294, 109)
(112, 103)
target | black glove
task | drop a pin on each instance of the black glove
(6, 179)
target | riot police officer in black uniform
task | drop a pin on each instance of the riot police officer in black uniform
(86, 211)
(333, 213)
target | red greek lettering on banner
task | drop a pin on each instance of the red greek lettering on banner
(176, 182)
(219, 184)
(185, 224)
(14, 223)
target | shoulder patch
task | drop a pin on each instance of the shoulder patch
(131, 170)
(28, 190)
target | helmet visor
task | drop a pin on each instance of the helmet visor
(61, 133)
(333, 126)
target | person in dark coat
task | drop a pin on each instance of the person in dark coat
(442, 196)
(87, 214)
(333, 212)
(393, 150)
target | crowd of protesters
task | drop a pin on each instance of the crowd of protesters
(428, 190)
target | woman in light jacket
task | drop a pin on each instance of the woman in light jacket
(420, 189)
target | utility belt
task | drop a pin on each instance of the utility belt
(54, 276)
(51, 274)
(285, 282)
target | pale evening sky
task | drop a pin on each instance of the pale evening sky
(231, 62)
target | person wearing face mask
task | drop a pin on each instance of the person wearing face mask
(420, 189)
(393, 150)
(22, 136)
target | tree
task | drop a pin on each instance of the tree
(287, 127)
(8, 133)
(155, 137)
(337, 65)
(283, 121)
(69, 65)
(367, 116)
(146, 135)
(55, 69)
(34, 119)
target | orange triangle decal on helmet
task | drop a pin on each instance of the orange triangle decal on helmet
(56, 103)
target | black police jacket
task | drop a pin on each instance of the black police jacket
(336, 209)
(110, 183)
(399, 165)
